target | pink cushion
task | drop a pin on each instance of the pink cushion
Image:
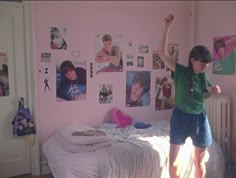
(120, 119)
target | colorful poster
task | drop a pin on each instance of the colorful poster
(108, 57)
(224, 54)
(138, 88)
(105, 93)
(157, 62)
(58, 38)
(71, 80)
(164, 93)
(4, 79)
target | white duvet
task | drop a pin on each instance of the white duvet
(132, 153)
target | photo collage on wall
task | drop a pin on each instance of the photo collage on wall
(71, 73)
(224, 54)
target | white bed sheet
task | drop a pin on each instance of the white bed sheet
(134, 153)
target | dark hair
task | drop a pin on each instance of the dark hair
(198, 53)
(143, 78)
(106, 37)
(219, 43)
(66, 66)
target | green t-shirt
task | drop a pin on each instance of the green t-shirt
(225, 66)
(183, 100)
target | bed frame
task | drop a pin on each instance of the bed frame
(218, 110)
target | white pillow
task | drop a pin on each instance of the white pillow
(67, 131)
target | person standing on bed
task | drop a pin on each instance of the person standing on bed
(189, 118)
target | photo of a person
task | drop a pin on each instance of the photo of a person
(164, 93)
(138, 88)
(140, 61)
(157, 62)
(109, 57)
(4, 79)
(173, 51)
(71, 81)
(224, 55)
(25, 125)
(58, 38)
(105, 93)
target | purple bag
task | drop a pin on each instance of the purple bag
(23, 122)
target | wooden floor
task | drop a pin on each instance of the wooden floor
(29, 176)
(229, 174)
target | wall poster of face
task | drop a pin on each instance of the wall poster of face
(71, 80)
(108, 57)
(138, 88)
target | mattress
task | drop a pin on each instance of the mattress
(131, 153)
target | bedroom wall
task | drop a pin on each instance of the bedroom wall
(216, 19)
(138, 22)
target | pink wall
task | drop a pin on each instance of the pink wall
(215, 19)
(139, 22)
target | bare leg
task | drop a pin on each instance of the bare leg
(201, 156)
(173, 167)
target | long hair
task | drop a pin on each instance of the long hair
(198, 53)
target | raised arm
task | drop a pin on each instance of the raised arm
(165, 57)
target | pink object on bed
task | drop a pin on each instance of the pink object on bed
(120, 119)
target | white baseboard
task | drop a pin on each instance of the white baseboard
(44, 168)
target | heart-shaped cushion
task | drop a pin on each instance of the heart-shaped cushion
(120, 119)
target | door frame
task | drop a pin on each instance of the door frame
(30, 59)
(29, 37)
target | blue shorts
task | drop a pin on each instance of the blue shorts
(196, 126)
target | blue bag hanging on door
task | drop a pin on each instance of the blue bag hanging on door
(23, 122)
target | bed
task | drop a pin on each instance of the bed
(127, 153)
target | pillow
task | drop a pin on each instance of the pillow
(70, 133)
(120, 119)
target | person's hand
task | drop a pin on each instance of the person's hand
(216, 89)
(169, 20)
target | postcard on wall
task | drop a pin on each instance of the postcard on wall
(157, 62)
(138, 88)
(58, 38)
(224, 54)
(164, 93)
(4, 77)
(173, 51)
(45, 57)
(71, 80)
(108, 54)
(143, 49)
(105, 93)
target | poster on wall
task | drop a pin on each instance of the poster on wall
(105, 93)
(224, 54)
(71, 80)
(4, 79)
(58, 38)
(108, 56)
(173, 51)
(164, 93)
(138, 88)
(157, 62)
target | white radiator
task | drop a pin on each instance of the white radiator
(218, 111)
